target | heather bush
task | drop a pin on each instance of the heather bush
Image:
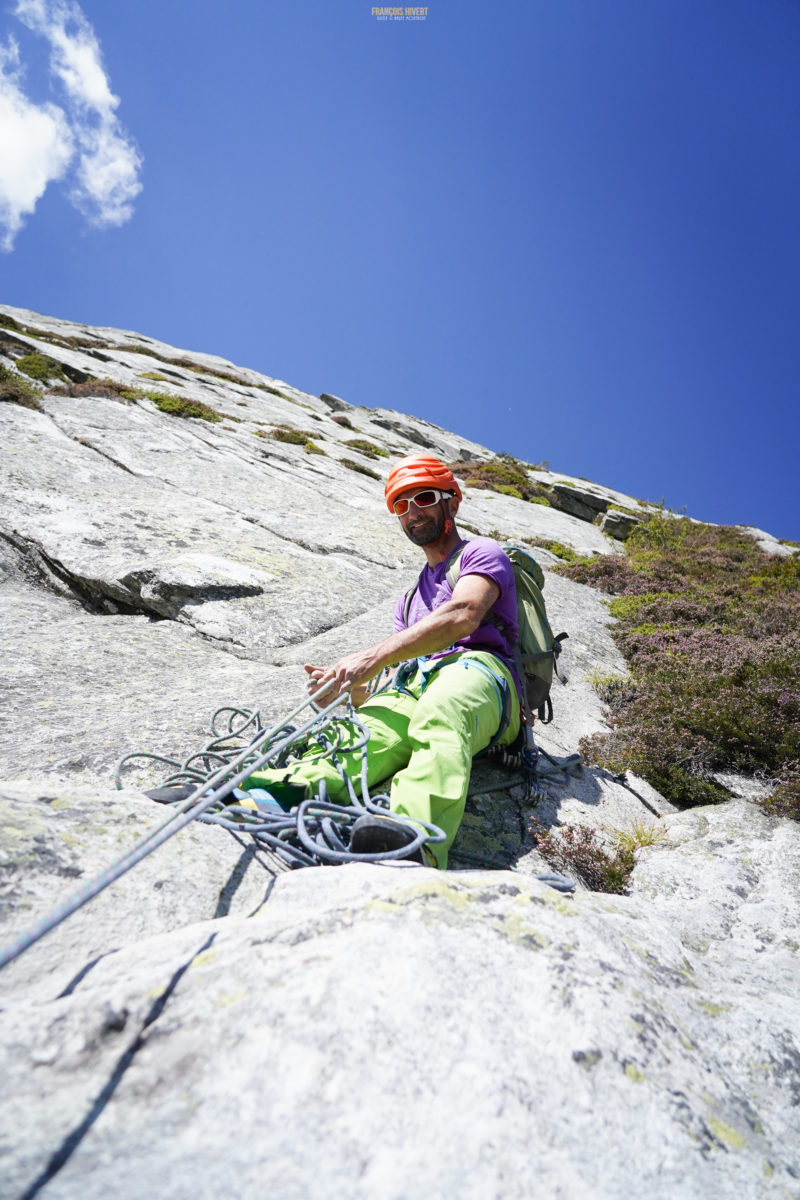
(107, 388)
(710, 627)
(577, 849)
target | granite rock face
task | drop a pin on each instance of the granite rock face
(375, 1032)
(213, 1023)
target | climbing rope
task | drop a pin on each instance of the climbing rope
(313, 825)
(312, 833)
(315, 831)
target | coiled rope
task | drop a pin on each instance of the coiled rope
(315, 832)
(309, 836)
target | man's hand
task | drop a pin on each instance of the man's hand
(336, 681)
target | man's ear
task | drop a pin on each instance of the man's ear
(452, 505)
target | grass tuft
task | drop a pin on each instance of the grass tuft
(179, 406)
(355, 466)
(367, 448)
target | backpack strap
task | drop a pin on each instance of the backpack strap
(452, 571)
(453, 567)
(410, 594)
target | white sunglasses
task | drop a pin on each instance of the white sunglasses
(422, 499)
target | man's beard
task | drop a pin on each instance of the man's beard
(426, 529)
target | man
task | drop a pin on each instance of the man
(462, 693)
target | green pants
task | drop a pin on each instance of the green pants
(426, 736)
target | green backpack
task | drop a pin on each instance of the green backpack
(537, 649)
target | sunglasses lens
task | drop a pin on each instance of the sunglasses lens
(422, 500)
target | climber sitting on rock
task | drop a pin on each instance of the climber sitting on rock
(456, 691)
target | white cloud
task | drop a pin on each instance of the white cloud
(36, 145)
(38, 142)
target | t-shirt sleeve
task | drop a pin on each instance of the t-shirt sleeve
(485, 557)
(399, 624)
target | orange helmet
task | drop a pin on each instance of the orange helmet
(417, 471)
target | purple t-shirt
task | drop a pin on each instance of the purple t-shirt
(480, 556)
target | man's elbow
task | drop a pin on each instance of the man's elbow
(470, 619)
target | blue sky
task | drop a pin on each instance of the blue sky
(568, 229)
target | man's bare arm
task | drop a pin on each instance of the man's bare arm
(472, 598)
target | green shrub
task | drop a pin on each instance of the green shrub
(16, 390)
(626, 608)
(154, 375)
(497, 475)
(539, 500)
(565, 552)
(312, 448)
(368, 448)
(9, 322)
(179, 406)
(710, 627)
(39, 366)
(354, 466)
(293, 437)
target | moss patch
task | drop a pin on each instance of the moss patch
(179, 406)
(40, 367)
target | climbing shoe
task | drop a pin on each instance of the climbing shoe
(285, 794)
(172, 795)
(377, 835)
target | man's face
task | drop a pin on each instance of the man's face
(422, 526)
